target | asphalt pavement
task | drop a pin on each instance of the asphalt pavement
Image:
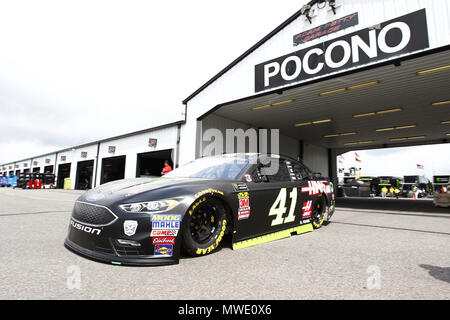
(366, 252)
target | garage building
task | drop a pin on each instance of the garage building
(334, 77)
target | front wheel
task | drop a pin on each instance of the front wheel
(205, 226)
(318, 213)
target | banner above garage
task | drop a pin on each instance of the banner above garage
(402, 35)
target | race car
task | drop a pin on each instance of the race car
(149, 221)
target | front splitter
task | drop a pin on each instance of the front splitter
(118, 260)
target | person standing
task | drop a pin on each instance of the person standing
(396, 191)
(167, 168)
(384, 190)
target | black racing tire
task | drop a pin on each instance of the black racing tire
(318, 212)
(205, 225)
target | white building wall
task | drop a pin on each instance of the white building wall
(239, 82)
(133, 145)
(41, 162)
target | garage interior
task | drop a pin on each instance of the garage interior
(36, 170)
(152, 163)
(48, 169)
(63, 172)
(113, 169)
(84, 176)
(402, 103)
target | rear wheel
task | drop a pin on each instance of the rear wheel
(205, 226)
(318, 213)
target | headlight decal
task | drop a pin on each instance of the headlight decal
(150, 206)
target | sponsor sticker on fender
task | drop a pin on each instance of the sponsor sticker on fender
(163, 250)
(162, 233)
(168, 217)
(244, 206)
(166, 222)
(307, 209)
(163, 240)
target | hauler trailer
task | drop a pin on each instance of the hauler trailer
(353, 187)
(373, 181)
(420, 182)
(440, 182)
(388, 182)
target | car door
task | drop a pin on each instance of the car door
(270, 203)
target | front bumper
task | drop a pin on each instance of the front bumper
(96, 232)
(118, 260)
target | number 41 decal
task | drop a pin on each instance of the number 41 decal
(279, 207)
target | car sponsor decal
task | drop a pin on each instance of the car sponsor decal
(167, 217)
(316, 187)
(163, 250)
(240, 187)
(130, 227)
(208, 191)
(162, 233)
(165, 225)
(84, 228)
(166, 222)
(163, 240)
(305, 221)
(307, 209)
(244, 206)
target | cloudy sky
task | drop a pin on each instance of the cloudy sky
(72, 72)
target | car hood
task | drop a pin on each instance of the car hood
(130, 187)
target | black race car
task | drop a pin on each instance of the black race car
(148, 221)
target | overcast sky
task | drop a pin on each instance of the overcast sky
(72, 72)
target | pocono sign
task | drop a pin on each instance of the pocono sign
(402, 35)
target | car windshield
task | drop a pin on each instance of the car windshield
(219, 168)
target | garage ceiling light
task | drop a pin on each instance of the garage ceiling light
(340, 134)
(440, 103)
(389, 111)
(443, 68)
(321, 121)
(407, 138)
(406, 127)
(397, 128)
(377, 112)
(385, 129)
(303, 124)
(398, 139)
(357, 86)
(313, 122)
(333, 91)
(364, 115)
(275, 104)
(364, 85)
(358, 142)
